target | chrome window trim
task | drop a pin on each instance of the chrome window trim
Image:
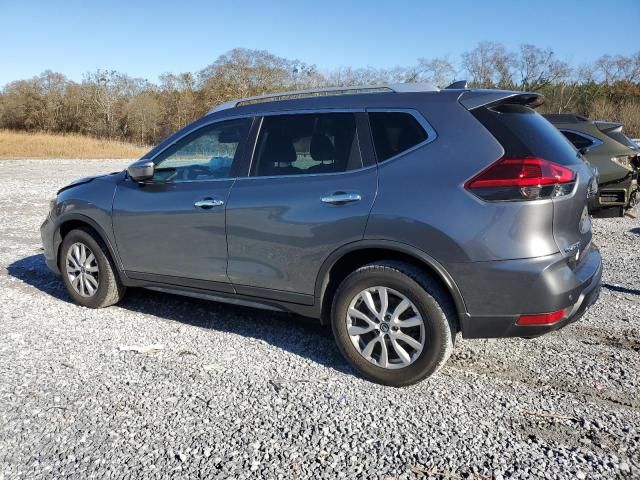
(431, 132)
(307, 175)
(431, 136)
(595, 140)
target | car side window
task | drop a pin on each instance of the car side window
(394, 133)
(303, 144)
(577, 140)
(206, 154)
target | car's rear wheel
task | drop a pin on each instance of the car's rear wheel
(393, 322)
(88, 272)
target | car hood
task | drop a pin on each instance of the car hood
(83, 180)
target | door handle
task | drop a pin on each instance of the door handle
(340, 198)
(207, 203)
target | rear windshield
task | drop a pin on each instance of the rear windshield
(522, 132)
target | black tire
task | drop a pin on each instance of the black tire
(110, 290)
(430, 299)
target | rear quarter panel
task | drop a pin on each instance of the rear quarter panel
(422, 201)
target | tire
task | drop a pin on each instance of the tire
(109, 290)
(428, 300)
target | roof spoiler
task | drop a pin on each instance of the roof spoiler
(605, 126)
(491, 98)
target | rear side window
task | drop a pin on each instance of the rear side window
(523, 133)
(394, 133)
(305, 144)
(577, 140)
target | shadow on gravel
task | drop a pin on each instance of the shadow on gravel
(33, 271)
(616, 288)
(293, 333)
(635, 230)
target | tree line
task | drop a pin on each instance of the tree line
(113, 105)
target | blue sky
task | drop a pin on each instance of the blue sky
(146, 38)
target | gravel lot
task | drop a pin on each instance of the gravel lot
(243, 393)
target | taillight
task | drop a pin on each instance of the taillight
(525, 178)
(542, 318)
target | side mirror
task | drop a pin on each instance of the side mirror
(141, 171)
(584, 150)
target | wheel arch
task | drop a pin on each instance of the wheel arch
(75, 221)
(354, 255)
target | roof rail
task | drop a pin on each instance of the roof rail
(272, 97)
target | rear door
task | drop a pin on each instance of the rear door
(313, 181)
(172, 228)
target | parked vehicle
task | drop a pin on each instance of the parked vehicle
(616, 157)
(400, 215)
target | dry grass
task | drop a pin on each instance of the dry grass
(20, 145)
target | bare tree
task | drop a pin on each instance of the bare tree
(114, 105)
(143, 112)
(615, 68)
(244, 73)
(439, 72)
(347, 76)
(104, 90)
(538, 68)
(179, 99)
(490, 65)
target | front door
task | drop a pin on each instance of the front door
(311, 188)
(173, 227)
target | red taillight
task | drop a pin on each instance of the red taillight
(525, 178)
(541, 319)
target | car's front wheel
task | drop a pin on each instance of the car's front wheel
(87, 271)
(393, 323)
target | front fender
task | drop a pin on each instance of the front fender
(90, 204)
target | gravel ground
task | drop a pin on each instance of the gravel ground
(243, 393)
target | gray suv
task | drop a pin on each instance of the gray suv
(608, 149)
(400, 215)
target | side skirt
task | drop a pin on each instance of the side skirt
(261, 298)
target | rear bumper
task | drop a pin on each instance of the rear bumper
(501, 292)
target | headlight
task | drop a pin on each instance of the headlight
(623, 161)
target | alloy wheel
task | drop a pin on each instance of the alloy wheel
(386, 327)
(83, 270)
